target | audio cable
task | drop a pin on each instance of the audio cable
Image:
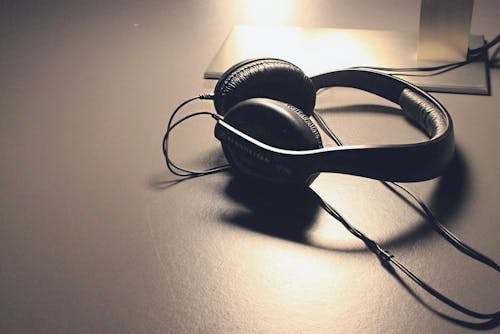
(386, 258)
(474, 54)
(431, 218)
(175, 169)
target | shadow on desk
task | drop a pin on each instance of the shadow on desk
(288, 211)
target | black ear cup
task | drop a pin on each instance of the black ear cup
(271, 78)
(277, 124)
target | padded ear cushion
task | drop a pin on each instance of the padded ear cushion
(273, 123)
(271, 78)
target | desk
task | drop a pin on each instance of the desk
(92, 240)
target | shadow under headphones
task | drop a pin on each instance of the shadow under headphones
(263, 122)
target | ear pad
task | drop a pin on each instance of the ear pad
(273, 123)
(272, 78)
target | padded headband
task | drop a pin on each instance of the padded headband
(418, 105)
(406, 162)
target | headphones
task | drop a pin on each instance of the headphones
(263, 122)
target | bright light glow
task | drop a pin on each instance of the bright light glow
(268, 12)
(350, 49)
(313, 50)
(278, 41)
(293, 274)
(330, 234)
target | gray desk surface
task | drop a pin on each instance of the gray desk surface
(92, 240)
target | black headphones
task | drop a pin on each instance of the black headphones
(263, 122)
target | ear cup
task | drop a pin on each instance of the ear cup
(273, 123)
(270, 78)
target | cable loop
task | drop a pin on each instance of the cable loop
(175, 169)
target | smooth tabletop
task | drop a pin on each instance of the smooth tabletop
(96, 238)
